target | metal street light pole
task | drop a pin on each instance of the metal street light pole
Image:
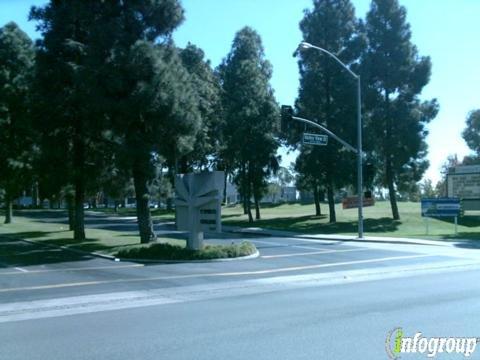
(306, 45)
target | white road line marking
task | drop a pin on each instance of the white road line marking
(308, 247)
(269, 243)
(227, 274)
(286, 245)
(309, 253)
(70, 269)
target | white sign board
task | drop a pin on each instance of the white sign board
(464, 182)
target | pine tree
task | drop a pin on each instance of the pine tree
(251, 116)
(395, 75)
(471, 134)
(207, 89)
(159, 105)
(327, 92)
(16, 138)
(66, 97)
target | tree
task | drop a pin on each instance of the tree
(149, 93)
(251, 116)
(284, 176)
(160, 106)
(207, 89)
(450, 162)
(67, 103)
(327, 91)
(471, 134)
(124, 88)
(16, 143)
(310, 176)
(395, 75)
(471, 160)
(427, 189)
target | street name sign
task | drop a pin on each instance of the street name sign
(315, 139)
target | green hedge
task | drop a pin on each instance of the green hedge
(174, 252)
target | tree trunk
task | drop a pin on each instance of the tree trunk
(35, 195)
(331, 205)
(171, 175)
(71, 212)
(243, 188)
(249, 196)
(183, 165)
(316, 195)
(145, 224)
(330, 161)
(79, 223)
(79, 165)
(8, 209)
(388, 161)
(225, 188)
(249, 211)
(391, 192)
(257, 207)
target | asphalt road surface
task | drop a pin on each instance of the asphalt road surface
(301, 299)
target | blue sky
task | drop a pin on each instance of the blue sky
(445, 30)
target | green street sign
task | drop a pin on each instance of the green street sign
(315, 139)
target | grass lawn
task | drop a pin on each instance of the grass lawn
(378, 221)
(36, 228)
(98, 240)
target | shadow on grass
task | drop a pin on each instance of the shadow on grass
(308, 225)
(468, 220)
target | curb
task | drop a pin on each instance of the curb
(374, 240)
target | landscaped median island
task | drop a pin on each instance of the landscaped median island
(159, 251)
(46, 227)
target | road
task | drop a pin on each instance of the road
(301, 299)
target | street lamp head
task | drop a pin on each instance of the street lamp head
(305, 45)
